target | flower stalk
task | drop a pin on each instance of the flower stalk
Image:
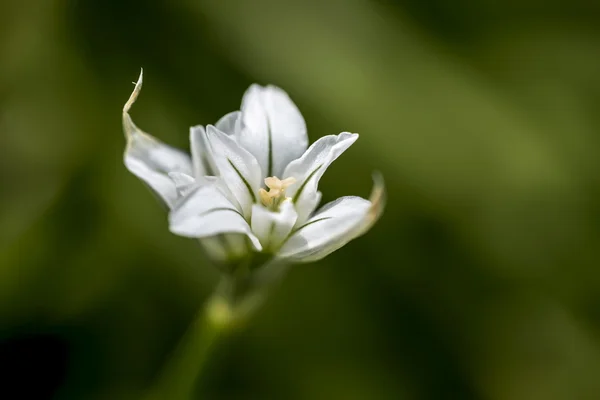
(238, 295)
(178, 378)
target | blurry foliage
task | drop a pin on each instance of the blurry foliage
(481, 281)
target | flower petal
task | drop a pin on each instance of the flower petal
(309, 168)
(307, 206)
(215, 247)
(334, 225)
(378, 199)
(149, 159)
(273, 129)
(236, 245)
(225, 247)
(202, 158)
(183, 182)
(207, 212)
(237, 167)
(231, 123)
(272, 228)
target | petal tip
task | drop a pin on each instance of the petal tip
(128, 125)
(197, 128)
(135, 93)
(255, 242)
(274, 89)
(254, 88)
(348, 136)
(214, 133)
(378, 198)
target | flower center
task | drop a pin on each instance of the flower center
(273, 198)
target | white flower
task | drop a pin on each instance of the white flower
(252, 174)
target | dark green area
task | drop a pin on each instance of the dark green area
(481, 281)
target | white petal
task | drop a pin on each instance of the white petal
(272, 228)
(225, 247)
(273, 129)
(330, 225)
(237, 168)
(183, 182)
(307, 206)
(207, 212)
(309, 168)
(378, 199)
(202, 158)
(215, 247)
(231, 123)
(236, 244)
(151, 160)
(334, 225)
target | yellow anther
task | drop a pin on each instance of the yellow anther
(276, 194)
(287, 182)
(265, 197)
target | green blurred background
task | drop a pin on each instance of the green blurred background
(481, 281)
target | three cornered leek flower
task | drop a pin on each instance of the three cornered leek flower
(251, 183)
(249, 193)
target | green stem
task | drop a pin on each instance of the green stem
(234, 301)
(177, 381)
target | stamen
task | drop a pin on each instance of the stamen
(276, 194)
(265, 198)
